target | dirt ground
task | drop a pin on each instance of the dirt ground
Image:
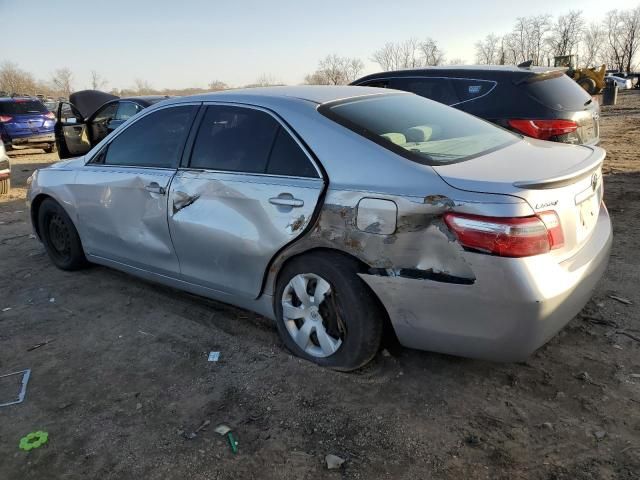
(125, 377)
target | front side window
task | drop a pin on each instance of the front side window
(155, 140)
(126, 110)
(106, 114)
(418, 129)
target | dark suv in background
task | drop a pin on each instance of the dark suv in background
(25, 121)
(537, 102)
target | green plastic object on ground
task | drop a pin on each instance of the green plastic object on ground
(232, 442)
(33, 440)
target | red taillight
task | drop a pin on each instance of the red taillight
(5, 118)
(49, 115)
(543, 129)
(508, 237)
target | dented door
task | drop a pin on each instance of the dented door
(123, 216)
(226, 227)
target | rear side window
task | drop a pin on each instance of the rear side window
(155, 140)
(106, 113)
(22, 107)
(437, 89)
(239, 139)
(418, 129)
(557, 92)
(471, 89)
(287, 158)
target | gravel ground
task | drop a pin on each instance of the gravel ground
(124, 378)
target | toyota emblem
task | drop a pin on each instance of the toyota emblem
(594, 182)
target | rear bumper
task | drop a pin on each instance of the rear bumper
(35, 139)
(514, 307)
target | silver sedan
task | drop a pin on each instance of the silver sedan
(344, 214)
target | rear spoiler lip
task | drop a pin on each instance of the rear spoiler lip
(582, 170)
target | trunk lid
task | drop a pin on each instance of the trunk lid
(563, 178)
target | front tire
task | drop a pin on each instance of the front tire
(60, 237)
(325, 313)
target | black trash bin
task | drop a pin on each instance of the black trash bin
(610, 94)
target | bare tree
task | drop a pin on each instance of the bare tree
(218, 85)
(566, 33)
(265, 80)
(488, 50)
(432, 54)
(15, 80)
(593, 38)
(335, 70)
(61, 80)
(614, 54)
(97, 81)
(630, 35)
(457, 61)
(142, 87)
(408, 54)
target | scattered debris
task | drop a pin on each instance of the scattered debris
(599, 321)
(233, 443)
(634, 375)
(627, 334)
(194, 434)
(600, 434)
(6, 309)
(385, 353)
(23, 389)
(33, 440)
(473, 440)
(547, 425)
(38, 345)
(222, 429)
(146, 333)
(138, 406)
(333, 461)
(585, 377)
(52, 300)
(626, 301)
(617, 347)
(214, 356)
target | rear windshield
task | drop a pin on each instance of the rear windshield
(558, 92)
(419, 129)
(22, 107)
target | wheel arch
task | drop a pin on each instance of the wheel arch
(275, 272)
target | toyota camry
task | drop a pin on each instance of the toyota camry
(344, 214)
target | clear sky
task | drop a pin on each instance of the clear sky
(177, 44)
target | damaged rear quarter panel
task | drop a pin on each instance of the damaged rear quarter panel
(421, 242)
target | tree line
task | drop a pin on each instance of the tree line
(614, 41)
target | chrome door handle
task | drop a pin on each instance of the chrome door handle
(154, 187)
(286, 200)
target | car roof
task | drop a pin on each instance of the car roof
(143, 99)
(488, 72)
(310, 93)
(19, 97)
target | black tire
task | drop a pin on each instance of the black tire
(5, 186)
(60, 237)
(350, 300)
(588, 85)
(50, 148)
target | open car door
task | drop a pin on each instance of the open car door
(71, 130)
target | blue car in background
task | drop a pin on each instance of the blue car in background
(25, 121)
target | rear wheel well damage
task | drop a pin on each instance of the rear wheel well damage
(388, 333)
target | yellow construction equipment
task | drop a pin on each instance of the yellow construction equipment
(590, 79)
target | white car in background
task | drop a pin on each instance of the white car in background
(622, 83)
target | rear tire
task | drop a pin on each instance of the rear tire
(588, 85)
(60, 236)
(50, 148)
(5, 186)
(325, 313)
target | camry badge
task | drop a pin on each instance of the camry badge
(594, 182)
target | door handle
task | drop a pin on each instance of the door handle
(154, 187)
(286, 200)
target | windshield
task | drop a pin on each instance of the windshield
(22, 107)
(419, 129)
(558, 92)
